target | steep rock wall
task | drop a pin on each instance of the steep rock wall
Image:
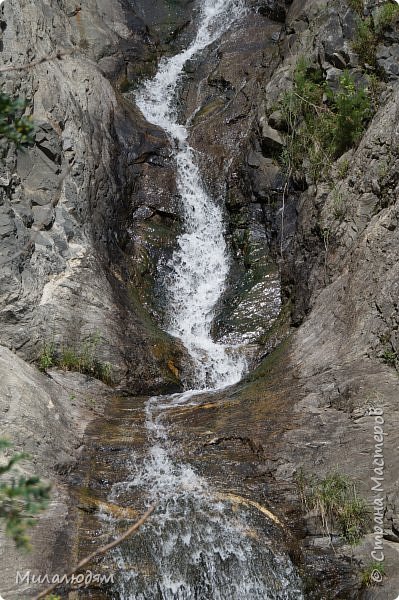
(67, 201)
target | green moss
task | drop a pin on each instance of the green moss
(270, 363)
(125, 85)
(163, 346)
(157, 237)
(280, 328)
(208, 110)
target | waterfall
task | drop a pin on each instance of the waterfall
(195, 547)
(200, 264)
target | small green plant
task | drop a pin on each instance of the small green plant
(372, 574)
(383, 169)
(356, 5)
(336, 502)
(14, 126)
(343, 168)
(20, 498)
(389, 357)
(385, 17)
(338, 204)
(352, 110)
(365, 41)
(47, 357)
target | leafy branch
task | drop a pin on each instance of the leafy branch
(14, 126)
(20, 499)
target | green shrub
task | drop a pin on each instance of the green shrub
(336, 502)
(367, 578)
(352, 110)
(385, 16)
(370, 31)
(20, 499)
(322, 124)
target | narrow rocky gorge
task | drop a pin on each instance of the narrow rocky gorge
(89, 219)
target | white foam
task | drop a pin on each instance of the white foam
(200, 263)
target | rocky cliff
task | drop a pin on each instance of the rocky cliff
(90, 211)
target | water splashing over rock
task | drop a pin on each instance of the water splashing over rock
(197, 546)
(200, 264)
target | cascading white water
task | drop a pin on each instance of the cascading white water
(199, 265)
(198, 546)
(195, 548)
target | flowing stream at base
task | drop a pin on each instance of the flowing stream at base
(196, 546)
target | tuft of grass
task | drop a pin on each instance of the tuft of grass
(389, 357)
(338, 203)
(385, 17)
(79, 358)
(343, 168)
(365, 42)
(368, 574)
(337, 503)
(356, 5)
(47, 356)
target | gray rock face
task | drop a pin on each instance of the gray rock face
(44, 416)
(66, 254)
(339, 271)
